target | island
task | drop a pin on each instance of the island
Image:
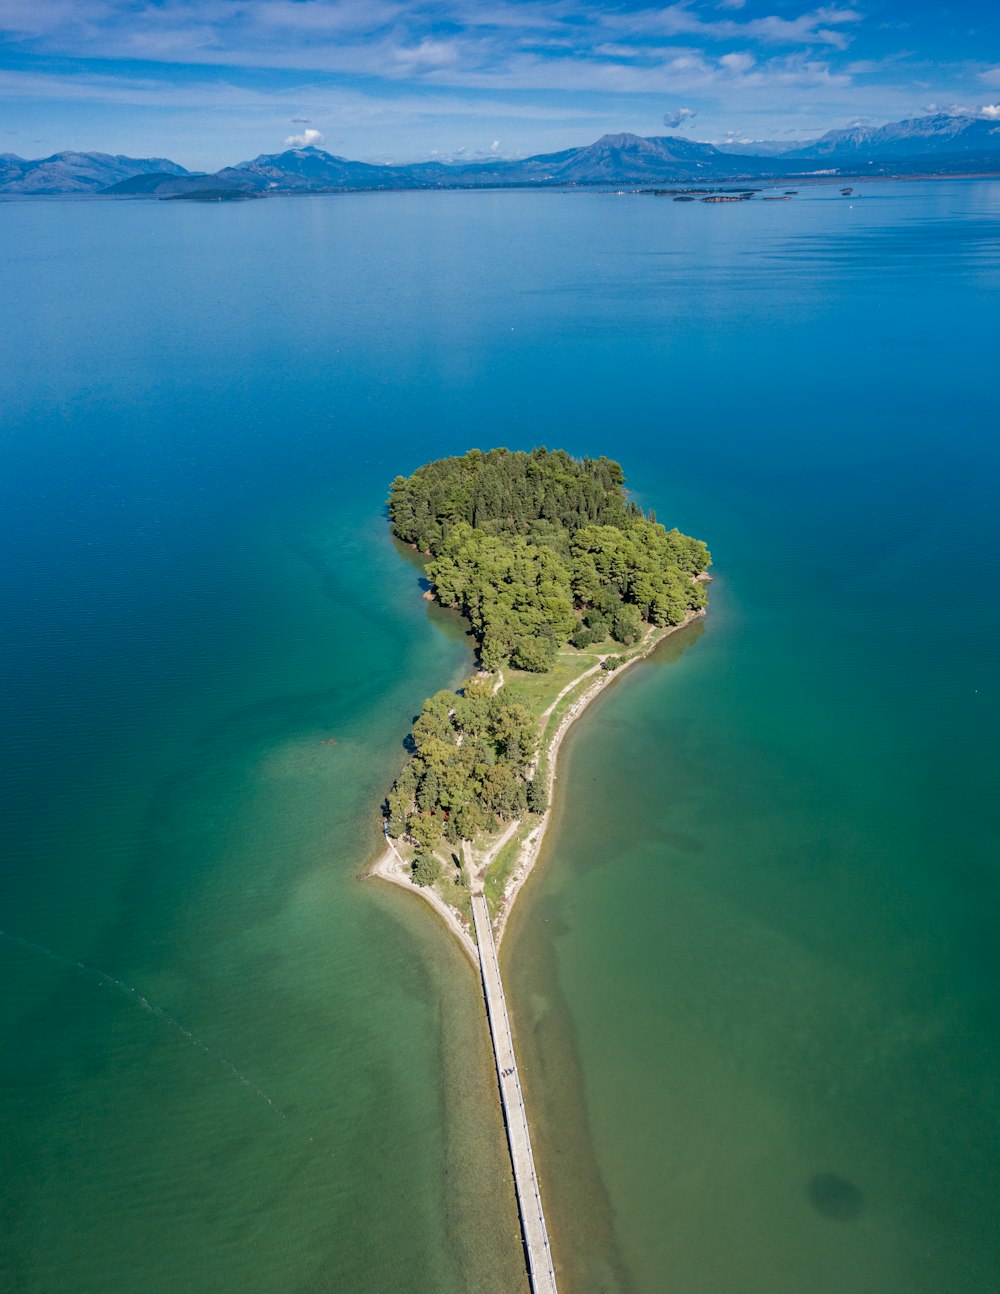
(564, 581)
(211, 195)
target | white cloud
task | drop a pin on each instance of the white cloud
(987, 111)
(818, 27)
(677, 118)
(428, 55)
(308, 139)
(738, 64)
(412, 75)
(950, 109)
(397, 38)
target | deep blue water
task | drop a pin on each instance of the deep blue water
(768, 952)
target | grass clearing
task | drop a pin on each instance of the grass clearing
(455, 895)
(538, 691)
(502, 867)
(574, 694)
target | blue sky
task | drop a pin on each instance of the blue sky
(211, 82)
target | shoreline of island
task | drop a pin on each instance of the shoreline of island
(390, 866)
(532, 847)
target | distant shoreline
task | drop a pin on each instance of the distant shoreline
(610, 188)
(629, 187)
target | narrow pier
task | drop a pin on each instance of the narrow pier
(529, 1200)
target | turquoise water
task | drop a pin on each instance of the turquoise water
(755, 980)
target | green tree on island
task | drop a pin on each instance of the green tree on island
(470, 766)
(538, 788)
(538, 550)
(426, 869)
(627, 626)
(526, 545)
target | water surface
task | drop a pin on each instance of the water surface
(754, 980)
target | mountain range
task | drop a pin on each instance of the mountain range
(938, 136)
(76, 172)
(934, 145)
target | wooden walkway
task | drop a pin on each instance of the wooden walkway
(529, 1199)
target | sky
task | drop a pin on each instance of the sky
(210, 83)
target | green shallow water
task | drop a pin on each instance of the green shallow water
(756, 975)
(786, 1010)
(231, 1061)
(754, 980)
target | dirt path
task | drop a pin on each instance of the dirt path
(477, 871)
(569, 688)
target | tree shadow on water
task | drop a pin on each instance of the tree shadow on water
(835, 1197)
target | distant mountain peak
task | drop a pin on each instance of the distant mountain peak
(623, 139)
(309, 151)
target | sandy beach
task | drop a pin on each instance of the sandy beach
(389, 866)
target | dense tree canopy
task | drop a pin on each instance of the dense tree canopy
(516, 594)
(539, 549)
(473, 755)
(540, 495)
